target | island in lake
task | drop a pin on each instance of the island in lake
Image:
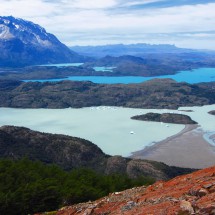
(212, 112)
(166, 118)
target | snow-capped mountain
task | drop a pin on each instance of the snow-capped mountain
(25, 43)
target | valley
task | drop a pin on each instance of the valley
(79, 122)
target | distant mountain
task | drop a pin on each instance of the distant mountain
(25, 43)
(146, 60)
(153, 64)
(132, 49)
(71, 152)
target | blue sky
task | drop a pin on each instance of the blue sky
(185, 23)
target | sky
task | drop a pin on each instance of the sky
(184, 23)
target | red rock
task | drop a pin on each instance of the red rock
(191, 194)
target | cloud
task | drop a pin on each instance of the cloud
(95, 4)
(27, 8)
(137, 3)
(144, 4)
(115, 21)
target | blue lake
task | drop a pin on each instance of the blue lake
(103, 69)
(194, 76)
(96, 68)
(62, 64)
(108, 127)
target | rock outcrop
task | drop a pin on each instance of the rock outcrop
(188, 194)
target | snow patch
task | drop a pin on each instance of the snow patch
(6, 21)
(5, 32)
(17, 26)
(43, 42)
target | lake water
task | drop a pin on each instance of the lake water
(194, 76)
(63, 64)
(96, 68)
(103, 69)
(108, 127)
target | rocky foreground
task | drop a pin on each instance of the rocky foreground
(188, 194)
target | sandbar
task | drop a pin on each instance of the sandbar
(188, 148)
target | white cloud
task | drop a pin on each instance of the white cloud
(89, 4)
(199, 35)
(68, 18)
(27, 8)
(134, 3)
(178, 19)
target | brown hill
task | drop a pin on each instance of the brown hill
(156, 93)
(71, 152)
(183, 195)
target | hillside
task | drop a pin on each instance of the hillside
(70, 153)
(146, 59)
(33, 186)
(152, 65)
(157, 93)
(183, 195)
(26, 43)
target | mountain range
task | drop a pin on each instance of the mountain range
(26, 43)
(138, 49)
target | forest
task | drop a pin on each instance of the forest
(27, 187)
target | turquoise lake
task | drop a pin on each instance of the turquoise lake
(62, 64)
(192, 77)
(110, 128)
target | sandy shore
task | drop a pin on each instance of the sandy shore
(185, 149)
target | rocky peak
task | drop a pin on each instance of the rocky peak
(26, 31)
(25, 43)
(188, 194)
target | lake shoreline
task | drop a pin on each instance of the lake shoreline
(188, 149)
(103, 76)
(112, 129)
